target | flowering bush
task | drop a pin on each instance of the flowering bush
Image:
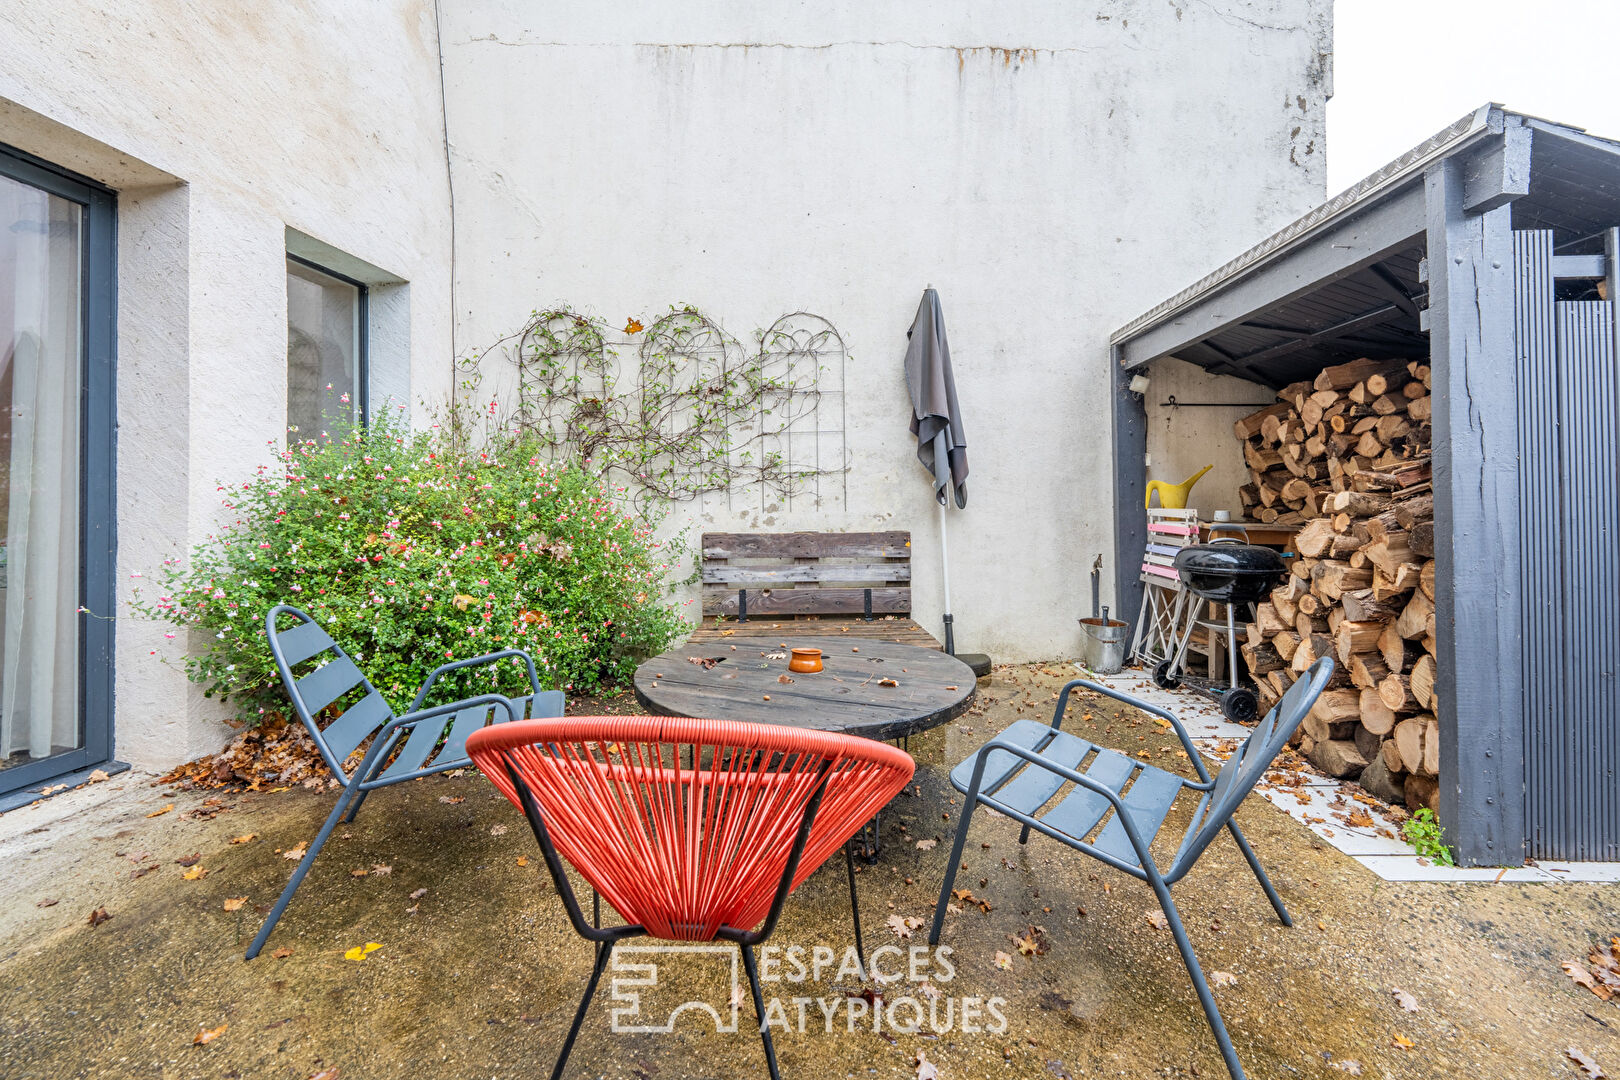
(414, 549)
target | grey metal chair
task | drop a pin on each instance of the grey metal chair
(402, 748)
(1021, 770)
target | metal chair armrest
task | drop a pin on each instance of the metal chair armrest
(1152, 710)
(1079, 778)
(457, 665)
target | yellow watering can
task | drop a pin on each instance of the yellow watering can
(1173, 496)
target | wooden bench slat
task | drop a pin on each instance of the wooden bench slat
(807, 545)
(845, 573)
(809, 602)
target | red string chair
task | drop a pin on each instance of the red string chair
(693, 830)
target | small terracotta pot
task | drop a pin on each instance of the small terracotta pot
(805, 660)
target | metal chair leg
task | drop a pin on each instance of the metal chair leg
(950, 867)
(603, 951)
(759, 1011)
(354, 807)
(298, 875)
(1217, 1026)
(854, 907)
(1265, 882)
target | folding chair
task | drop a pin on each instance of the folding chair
(402, 748)
(1021, 770)
(693, 830)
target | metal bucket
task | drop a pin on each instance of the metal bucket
(1103, 647)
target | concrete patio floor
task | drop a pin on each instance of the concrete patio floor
(478, 977)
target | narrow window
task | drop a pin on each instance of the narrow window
(326, 349)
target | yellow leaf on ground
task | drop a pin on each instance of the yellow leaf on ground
(195, 873)
(523, 860)
(1401, 1042)
(160, 813)
(234, 903)
(205, 1037)
(245, 838)
(360, 952)
(294, 853)
(282, 953)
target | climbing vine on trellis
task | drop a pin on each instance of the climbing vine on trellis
(694, 412)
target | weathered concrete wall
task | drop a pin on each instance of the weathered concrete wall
(1052, 170)
(1182, 440)
(222, 127)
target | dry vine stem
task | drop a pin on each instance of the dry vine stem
(697, 413)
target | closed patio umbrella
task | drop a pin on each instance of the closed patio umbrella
(936, 421)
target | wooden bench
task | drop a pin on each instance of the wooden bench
(854, 584)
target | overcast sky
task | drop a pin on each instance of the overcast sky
(1404, 69)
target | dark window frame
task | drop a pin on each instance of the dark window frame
(362, 369)
(98, 460)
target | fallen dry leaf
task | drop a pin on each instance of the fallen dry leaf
(452, 799)
(1591, 1068)
(282, 953)
(160, 813)
(381, 869)
(1223, 978)
(190, 860)
(500, 830)
(360, 952)
(903, 925)
(926, 845)
(887, 682)
(1405, 1000)
(418, 894)
(1003, 960)
(98, 776)
(1346, 1065)
(295, 853)
(245, 838)
(783, 679)
(234, 903)
(203, 1038)
(522, 860)
(46, 903)
(52, 789)
(925, 1068)
(1156, 919)
(98, 916)
(196, 873)
(326, 1074)
(359, 871)
(1401, 1042)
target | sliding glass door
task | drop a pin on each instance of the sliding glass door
(56, 535)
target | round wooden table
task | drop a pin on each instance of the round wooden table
(849, 693)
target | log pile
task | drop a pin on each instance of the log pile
(1346, 458)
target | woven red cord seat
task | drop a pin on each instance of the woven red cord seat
(692, 829)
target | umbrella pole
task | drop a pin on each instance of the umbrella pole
(945, 572)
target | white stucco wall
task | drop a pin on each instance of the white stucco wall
(1052, 170)
(1184, 438)
(223, 126)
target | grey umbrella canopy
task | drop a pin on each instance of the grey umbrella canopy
(936, 418)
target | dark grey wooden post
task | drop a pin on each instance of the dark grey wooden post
(1476, 542)
(1130, 488)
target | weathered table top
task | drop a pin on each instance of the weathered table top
(847, 695)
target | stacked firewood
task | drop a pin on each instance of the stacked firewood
(1346, 458)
